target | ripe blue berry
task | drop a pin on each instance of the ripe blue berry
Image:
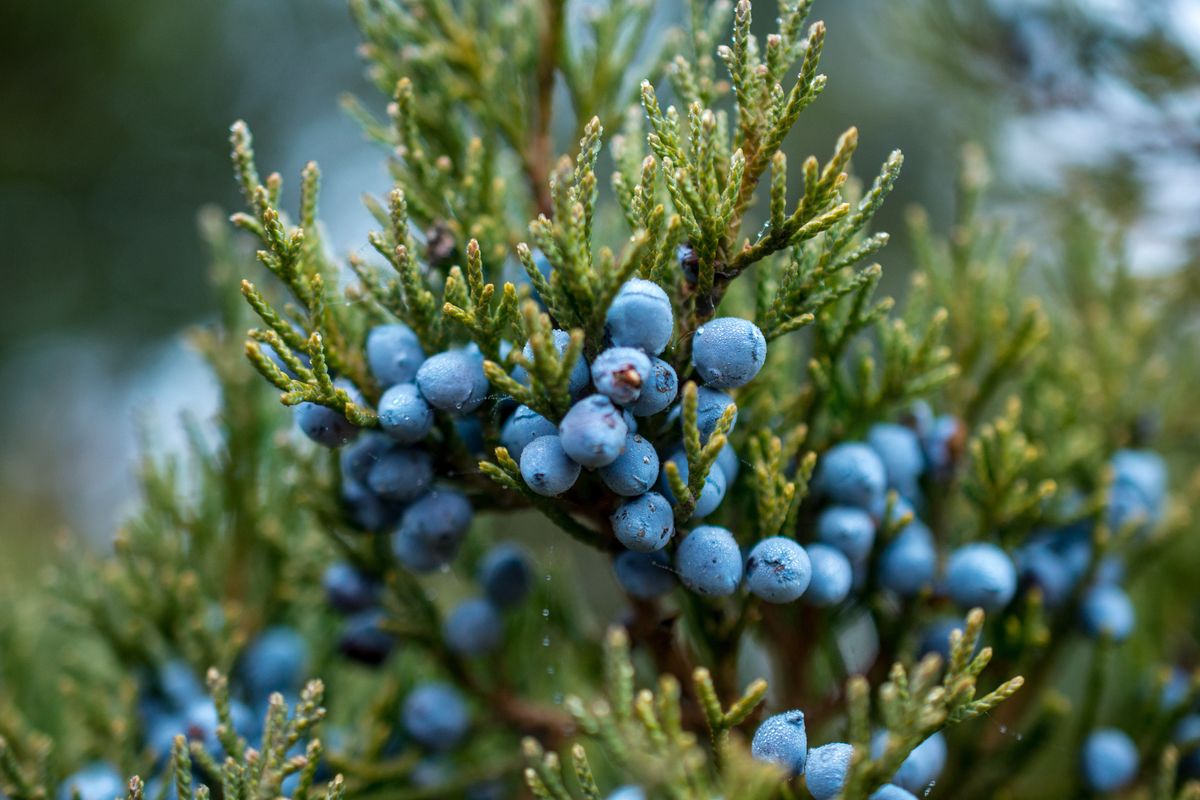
(659, 390)
(98, 780)
(349, 589)
(435, 715)
(981, 575)
(778, 570)
(710, 405)
(644, 523)
(1038, 566)
(546, 468)
(711, 494)
(635, 470)
(580, 374)
(506, 574)
(1109, 760)
(523, 427)
(473, 627)
(890, 791)
(903, 460)
(404, 415)
(357, 458)
(1073, 546)
(628, 793)
(453, 381)
(908, 562)
(394, 354)
(728, 352)
(325, 426)
(1146, 472)
(641, 316)
(852, 474)
(619, 373)
(825, 772)
(849, 529)
(1106, 610)
(1127, 508)
(709, 561)
(832, 575)
(431, 530)
(418, 556)
(366, 510)
(275, 662)
(922, 766)
(782, 740)
(644, 575)
(593, 432)
(402, 474)
(364, 639)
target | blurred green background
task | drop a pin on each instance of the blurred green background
(114, 134)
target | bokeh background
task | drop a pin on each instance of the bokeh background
(114, 134)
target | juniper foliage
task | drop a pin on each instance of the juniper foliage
(489, 239)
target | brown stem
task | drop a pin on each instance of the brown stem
(549, 725)
(536, 165)
(540, 152)
(657, 632)
(792, 675)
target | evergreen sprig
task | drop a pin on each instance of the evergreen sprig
(914, 704)
(701, 453)
(234, 535)
(643, 731)
(256, 772)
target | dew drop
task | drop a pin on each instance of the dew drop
(546, 613)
